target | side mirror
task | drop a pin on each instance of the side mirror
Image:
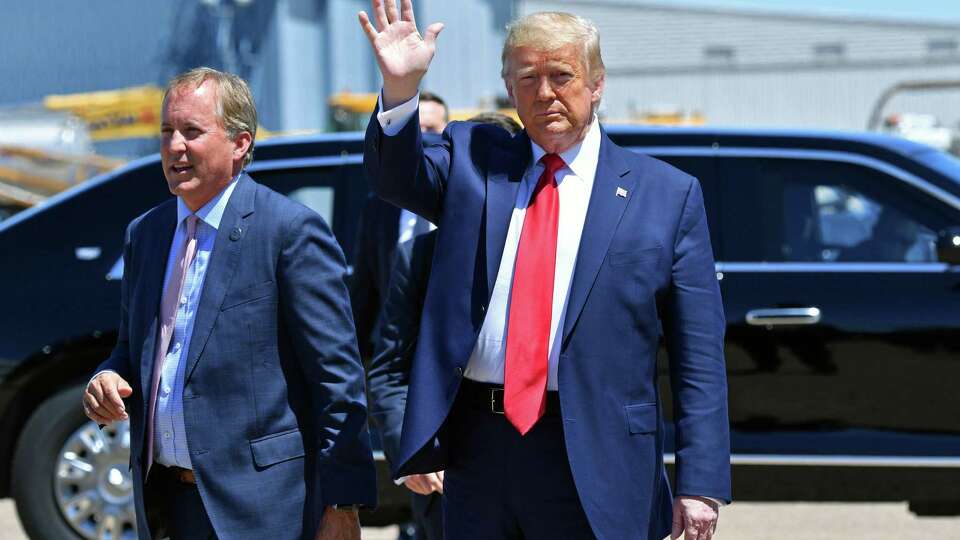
(948, 246)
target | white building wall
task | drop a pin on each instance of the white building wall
(656, 58)
(839, 99)
(466, 69)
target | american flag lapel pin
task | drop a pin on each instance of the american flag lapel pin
(621, 192)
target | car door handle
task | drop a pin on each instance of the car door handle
(783, 316)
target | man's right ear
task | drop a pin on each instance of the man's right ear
(509, 87)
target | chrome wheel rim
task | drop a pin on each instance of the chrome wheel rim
(93, 485)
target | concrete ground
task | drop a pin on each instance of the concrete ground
(743, 521)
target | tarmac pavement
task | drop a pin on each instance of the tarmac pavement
(743, 521)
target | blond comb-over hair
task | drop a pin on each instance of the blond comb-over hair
(549, 30)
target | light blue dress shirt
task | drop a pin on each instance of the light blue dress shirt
(170, 438)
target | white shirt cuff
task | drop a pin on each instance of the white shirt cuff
(97, 374)
(400, 481)
(394, 120)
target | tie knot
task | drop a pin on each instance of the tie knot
(552, 162)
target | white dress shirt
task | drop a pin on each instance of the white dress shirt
(574, 184)
(169, 433)
(412, 225)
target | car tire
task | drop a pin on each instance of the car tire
(47, 487)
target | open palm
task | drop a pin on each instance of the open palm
(402, 53)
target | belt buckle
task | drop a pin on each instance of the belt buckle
(493, 400)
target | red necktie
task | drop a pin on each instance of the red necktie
(531, 304)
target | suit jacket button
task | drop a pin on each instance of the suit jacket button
(458, 371)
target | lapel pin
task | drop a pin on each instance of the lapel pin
(621, 192)
(236, 233)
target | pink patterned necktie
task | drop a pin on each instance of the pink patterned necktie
(168, 319)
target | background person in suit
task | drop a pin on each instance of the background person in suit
(559, 259)
(434, 113)
(388, 374)
(382, 227)
(236, 351)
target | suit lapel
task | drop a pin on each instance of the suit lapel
(222, 266)
(157, 248)
(503, 180)
(603, 215)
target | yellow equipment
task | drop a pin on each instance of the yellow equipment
(114, 114)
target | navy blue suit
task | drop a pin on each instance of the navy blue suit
(389, 371)
(388, 375)
(374, 252)
(644, 264)
(274, 405)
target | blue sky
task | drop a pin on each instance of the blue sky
(928, 10)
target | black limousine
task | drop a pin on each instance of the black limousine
(838, 255)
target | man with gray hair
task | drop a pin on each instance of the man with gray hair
(561, 259)
(236, 360)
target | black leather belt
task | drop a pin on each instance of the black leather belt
(184, 476)
(489, 398)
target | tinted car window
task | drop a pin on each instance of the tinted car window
(857, 228)
(792, 210)
(335, 192)
(702, 168)
(320, 199)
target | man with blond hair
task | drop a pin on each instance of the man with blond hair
(560, 261)
(236, 360)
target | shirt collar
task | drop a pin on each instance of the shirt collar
(212, 212)
(582, 157)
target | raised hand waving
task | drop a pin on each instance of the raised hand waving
(402, 53)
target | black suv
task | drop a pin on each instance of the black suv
(838, 257)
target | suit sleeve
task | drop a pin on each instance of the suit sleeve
(694, 328)
(403, 172)
(364, 292)
(389, 374)
(315, 306)
(119, 359)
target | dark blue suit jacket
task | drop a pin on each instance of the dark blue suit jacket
(644, 263)
(374, 251)
(274, 401)
(388, 374)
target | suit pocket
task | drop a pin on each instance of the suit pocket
(246, 295)
(624, 258)
(277, 448)
(641, 418)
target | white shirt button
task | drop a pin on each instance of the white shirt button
(166, 390)
(183, 300)
(166, 434)
(176, 347)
